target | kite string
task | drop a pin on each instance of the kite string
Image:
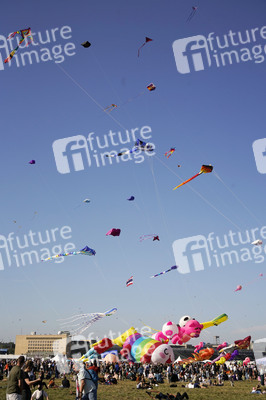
(158, 198)
(111, 116)
(201, 196)
(236, 197)
(91, 97)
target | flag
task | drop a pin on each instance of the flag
(130, 281)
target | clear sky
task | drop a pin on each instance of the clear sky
(211, 115)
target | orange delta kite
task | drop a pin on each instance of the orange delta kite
(205, 169)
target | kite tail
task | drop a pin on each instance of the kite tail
(11, 55)
(190, 179)
(140, 48)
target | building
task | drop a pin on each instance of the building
(34, 345)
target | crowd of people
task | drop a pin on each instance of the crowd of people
(25, 379)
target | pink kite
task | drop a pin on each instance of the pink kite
(199, 347)
(239, 287)
(113, 232)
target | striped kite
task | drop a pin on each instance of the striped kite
(86, 251)
(205, 169)
(164, 272)
(170, 152)
(25, 33)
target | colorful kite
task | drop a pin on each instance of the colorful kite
(114, 232)
(146, 41)
(86, 44)
(193, 12)
(139, 145)
(129, 282)
(84, 321)
(86, 251)
(239, 287)
(164, 272)
(170, 152)
(25, 33)
(110, 108)
(32, 162)
(205, 169)
(131, 198)
(151, 87)
(152, 236)
(257, 242)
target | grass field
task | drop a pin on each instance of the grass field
(127, 390)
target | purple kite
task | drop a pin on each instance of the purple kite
(113, 232)
(32, 162)
(164, 272)
(131, 198)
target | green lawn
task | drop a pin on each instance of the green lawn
(127, 390)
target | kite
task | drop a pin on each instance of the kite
(131, 198)
(114, 232)
(151, 87)
(86, 44)
(199, 347)
(205, 169)
(146, 41)
(110, 108)
(86, 251)
(129, 282)
(84, 321)
(193, 12)
(86, 201)
(139, 145)
(32, 162)
(152, 236)
(239, 287)
(44, 322)
(170, 152)
(164, 272)
(257, 242)
(25, 33)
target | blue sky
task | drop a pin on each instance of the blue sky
(211, 116)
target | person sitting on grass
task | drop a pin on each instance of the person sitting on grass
(39, 394)
(52, 384)
(65, 382)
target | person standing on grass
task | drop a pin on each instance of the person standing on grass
(15, 381)
(86, 389)
(27, 383)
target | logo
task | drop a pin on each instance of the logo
(32, 247)
(191, 54)
(192, 253)
(77, 153)
(197, 253)
(58, 48)
(259, 150)
(71, 154)
(197, 53)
